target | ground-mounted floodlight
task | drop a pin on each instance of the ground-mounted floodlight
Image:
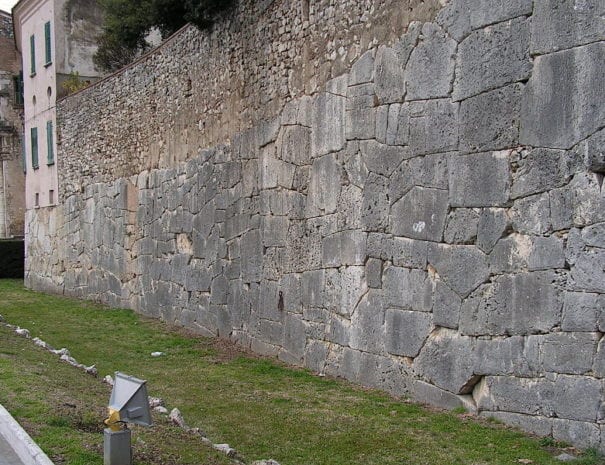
(128, 404)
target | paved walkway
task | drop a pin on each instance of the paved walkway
(7, 454)
(16, 447)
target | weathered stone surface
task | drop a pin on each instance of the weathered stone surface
(592, 151)
(588, 273)
(362, 70)
(367, 325)
(328, 130)
(492, 57)
(324, 186)
(408, 289)
(274, 230)
(587, 199)
(583, 434)
(397, 131)
(524, 303)
(490, 121)
(540, 170)
(463, 268)
(432, 395)
(559, 103)
(382, 159)
(312, 288)
(251, 256)
(295, 145)
(484, 12)
(594, 235)
(406, 331)
(479, 180)
(493, 223)
(445, 361)
(581, 311)
(599, 360)
(433, 126)
(546, 253)
(531, 215)
(502, 356)
(455, 19)
(560, 25)
(531, 423)
(420, 214)
(388, 76)
(446, 306)
(409, 253)
(564, 396)
(375, 204)
(461, 226)
(433, 56)
(569, 353)
(344, 248)
(374, 273)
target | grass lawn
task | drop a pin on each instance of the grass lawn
(260, 407)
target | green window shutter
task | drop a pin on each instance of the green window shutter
(48, 54)
(32, 53)
(34, 136)
(50, 150)
(23, 154)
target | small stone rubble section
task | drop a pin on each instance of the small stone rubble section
(429, 221)
(63, 354)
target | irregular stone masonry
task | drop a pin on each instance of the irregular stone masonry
(432, 222)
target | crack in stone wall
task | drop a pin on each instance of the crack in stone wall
(441, 237)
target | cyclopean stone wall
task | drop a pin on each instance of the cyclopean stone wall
(431, 221)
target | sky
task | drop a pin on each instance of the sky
(6, 5)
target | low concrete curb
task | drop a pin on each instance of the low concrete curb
(28, 451)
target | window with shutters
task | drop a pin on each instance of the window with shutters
(47, 49)
(50, 150)
(34, 142)
(32, 54)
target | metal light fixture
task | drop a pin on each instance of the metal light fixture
(128, 404)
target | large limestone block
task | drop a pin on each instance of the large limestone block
(502, 356)
(462, 267)
(324, 186)
(344, 248)
(382, 159)
(581, 311)
(375, 203)
(493, 224)
(367, 324)
(420, 214)
(388, 76)
(447, 361)
(492, 57)
(484, 12)
(563, 396)
(252, 256)
(540, 170)
(433, 126)
(328, 129)
(406, 331)
(579, 433)
(562, 24)
(461, 227)
(446, 306)
(588, 271)
(408, 289)
(569, 353)
(561, 105)
(295, 145)
(430, 69)
(490, 121)
(524, 303)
